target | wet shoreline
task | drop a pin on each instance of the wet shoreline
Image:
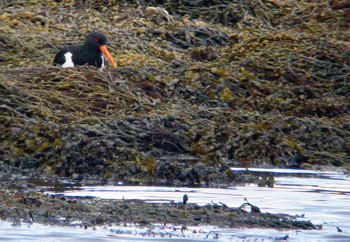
(23, 201)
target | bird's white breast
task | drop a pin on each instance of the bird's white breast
(69, 61)
(103, 63)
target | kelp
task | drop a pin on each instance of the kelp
(253, 83)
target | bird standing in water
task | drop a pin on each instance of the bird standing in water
(88, 53)
(185, 199)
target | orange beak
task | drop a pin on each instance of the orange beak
(105, 51)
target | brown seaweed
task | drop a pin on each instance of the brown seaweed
(259, 83)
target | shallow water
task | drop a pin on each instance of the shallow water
(322, 197)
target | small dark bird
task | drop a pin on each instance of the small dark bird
(185, 199)
(339, 230)
(88, 53)
(31, 215)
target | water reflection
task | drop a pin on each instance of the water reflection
(322, 197)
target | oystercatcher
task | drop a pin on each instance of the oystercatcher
(89, 53)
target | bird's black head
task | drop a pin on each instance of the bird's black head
(95, 40)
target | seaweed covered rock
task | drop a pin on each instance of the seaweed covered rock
(221, 83)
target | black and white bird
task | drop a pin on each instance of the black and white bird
(88, 53)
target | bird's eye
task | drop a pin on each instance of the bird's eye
(96, 39)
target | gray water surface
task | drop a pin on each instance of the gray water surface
(321, 197)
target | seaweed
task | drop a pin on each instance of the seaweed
(253, 83)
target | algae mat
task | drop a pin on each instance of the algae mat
(200, 86)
